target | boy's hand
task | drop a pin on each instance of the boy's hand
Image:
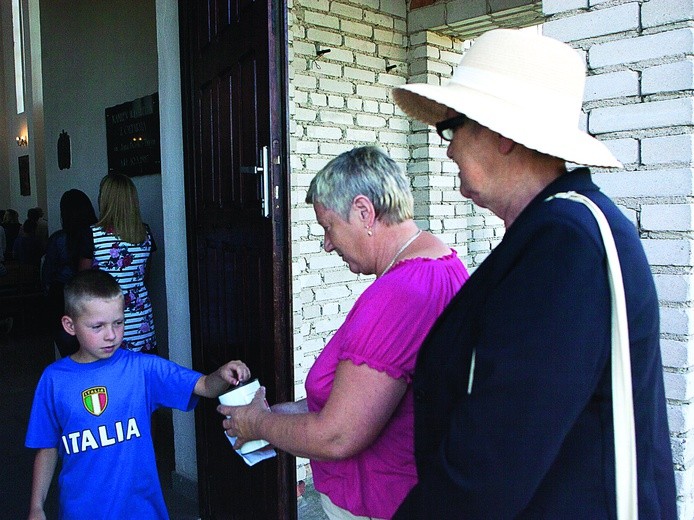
(234, 372)
(215, 384)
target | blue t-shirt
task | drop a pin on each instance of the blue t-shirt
(98, 416)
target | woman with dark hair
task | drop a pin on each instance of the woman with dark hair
(27, 248)
(11, 225)
(62, 257)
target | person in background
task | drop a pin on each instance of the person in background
(27, 248)
(92, 410)
(3, 244)
(61, 261)
(36, 214)
(11, 225)
(122, 245)
(513, 385)
(356, 422)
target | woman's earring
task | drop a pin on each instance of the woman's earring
(369, 231)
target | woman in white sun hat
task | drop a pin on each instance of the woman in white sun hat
(513, 385)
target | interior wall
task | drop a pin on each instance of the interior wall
(171, 121)
(13, 124)
(34, 108)
(96, 55)
(5, 11)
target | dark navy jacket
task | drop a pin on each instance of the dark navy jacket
(534, 437)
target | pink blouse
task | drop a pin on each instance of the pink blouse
(384, 329)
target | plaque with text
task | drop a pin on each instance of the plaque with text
(132, 137)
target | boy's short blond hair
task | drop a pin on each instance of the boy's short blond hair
(89, 285)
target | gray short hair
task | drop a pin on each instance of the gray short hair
(364, 171)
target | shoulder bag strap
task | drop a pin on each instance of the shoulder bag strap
(622, 398)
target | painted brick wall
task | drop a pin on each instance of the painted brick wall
(338, 100)
(341, 99)
(639, 102)
(439, 207)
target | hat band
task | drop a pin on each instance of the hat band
(557, 106)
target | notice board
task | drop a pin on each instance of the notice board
(132, 137)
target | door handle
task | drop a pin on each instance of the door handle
(265, 188)
(267, 193)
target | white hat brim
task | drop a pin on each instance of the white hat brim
(520, 123)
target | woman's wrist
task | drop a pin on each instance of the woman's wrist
(256, 421)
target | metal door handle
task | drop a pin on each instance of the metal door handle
(265, 189)
(267, 192)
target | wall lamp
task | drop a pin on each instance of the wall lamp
(22, 141)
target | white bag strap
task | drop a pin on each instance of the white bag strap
(622, 398)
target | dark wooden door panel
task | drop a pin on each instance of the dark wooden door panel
(234, 91)
(235, 283)
(234, 325)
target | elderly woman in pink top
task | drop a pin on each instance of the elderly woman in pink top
(356, 424)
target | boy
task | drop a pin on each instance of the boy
(94, 409)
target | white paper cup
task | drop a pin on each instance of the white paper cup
(239, 396)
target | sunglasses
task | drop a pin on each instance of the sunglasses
(447, 127)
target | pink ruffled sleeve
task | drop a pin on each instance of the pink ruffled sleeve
(390, 320)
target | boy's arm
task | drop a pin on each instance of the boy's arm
(44, 466)
(217, 382)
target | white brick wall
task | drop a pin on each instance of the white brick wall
(439, 207)
(337, 101)
(341, 100)
(666, 217)
(556, 6)
(641, 116)
(645, 183)
(626, 149)
(590, 24)
(667, 149)
(669, 77)
(612, 84)
(638, 101)
(664, 45)
(656, 13)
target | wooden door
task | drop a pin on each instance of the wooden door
(234, 104)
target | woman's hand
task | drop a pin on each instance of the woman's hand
(361, 402)
(242, 421)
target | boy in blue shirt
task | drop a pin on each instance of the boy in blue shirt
(93, 409)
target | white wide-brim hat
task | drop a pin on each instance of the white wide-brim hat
(524, 86)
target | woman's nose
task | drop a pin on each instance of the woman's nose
(327, 245)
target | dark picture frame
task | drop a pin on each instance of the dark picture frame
(132, 137)
(24, 178)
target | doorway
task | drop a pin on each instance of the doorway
(234, 90)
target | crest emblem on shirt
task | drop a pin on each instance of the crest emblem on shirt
(95, 400)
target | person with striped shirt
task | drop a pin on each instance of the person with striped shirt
(122, 245)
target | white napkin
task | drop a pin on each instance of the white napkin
(256, 456)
